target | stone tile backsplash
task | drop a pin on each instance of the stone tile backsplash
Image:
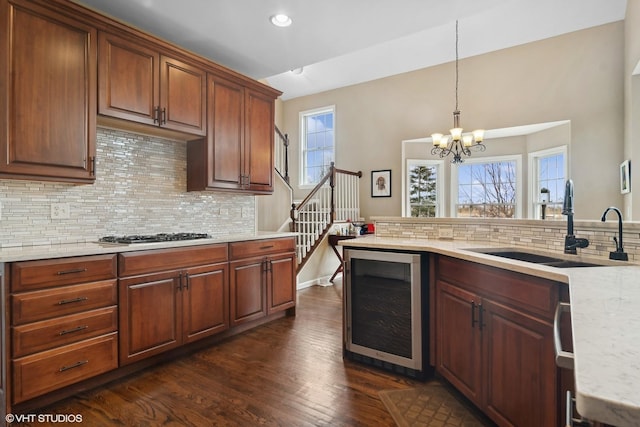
(534, 234)
(140, 188)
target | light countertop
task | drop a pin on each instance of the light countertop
(26, 253)
(604, 316)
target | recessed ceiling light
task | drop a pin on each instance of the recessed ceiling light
(281, 20)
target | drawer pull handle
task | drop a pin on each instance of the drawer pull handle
(75, 365)
(266, 247)
(74, 270)
(72, 300)
(76, 329)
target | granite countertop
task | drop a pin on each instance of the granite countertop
(604, 316)
(27, 253)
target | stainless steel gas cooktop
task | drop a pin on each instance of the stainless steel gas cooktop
(151, 238)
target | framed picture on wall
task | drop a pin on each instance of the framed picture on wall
(625, 177)
(381, 183)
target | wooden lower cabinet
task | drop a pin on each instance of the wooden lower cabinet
(50, 370)
(459, 353)
(521, 380)
(492, 348)
(264, 284)
(63, 323)
(162, 311)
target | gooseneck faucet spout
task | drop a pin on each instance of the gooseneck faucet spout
(619, 254)
(571, 242)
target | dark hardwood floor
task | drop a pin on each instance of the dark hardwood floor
(289, 372)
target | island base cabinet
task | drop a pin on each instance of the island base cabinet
(458, 354)
(492, 347)
(520, 373)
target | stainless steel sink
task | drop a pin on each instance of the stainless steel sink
(537, 258)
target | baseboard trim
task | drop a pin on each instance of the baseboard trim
(320, 281)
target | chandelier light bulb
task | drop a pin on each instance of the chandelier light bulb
(456, 133)
(478, 135)
(436, 137)
(467, 140)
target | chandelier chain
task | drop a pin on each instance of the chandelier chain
(456, 65)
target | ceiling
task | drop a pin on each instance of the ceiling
(339, 43)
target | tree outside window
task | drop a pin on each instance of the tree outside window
(422, 190)
(487, 189)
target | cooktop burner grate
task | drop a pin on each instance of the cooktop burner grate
(152, 238)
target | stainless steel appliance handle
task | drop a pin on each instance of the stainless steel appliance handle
(564, 359)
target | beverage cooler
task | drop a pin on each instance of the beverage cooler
(386, 310)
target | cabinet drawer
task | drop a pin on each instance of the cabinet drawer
(143, 262)
(47, 334)
(530, 293)
(45, 304)
(29, 275)
(43, 372)
(261, 247)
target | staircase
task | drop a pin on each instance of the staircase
(336, 198)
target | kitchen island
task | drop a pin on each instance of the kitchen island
(605, 323)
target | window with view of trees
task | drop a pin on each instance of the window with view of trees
(318, 144)
(423, 200)
(487, 188)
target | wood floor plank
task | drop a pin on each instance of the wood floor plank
(289, 372)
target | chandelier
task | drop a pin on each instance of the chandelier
(457, 143)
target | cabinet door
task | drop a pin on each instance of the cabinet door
(281, 282)
(48, 86)
(150, 316)
(226, 134)
(259, 135)
(520, 373)
(128, 78)
(248, 290)
(183, 97)
(458, 335)
(205, 302)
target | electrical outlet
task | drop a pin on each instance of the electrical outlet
(445, 233)
(60, 210)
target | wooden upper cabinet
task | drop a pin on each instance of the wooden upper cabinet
(48, 86)
(128, 77)
(237, 154)
(258, 136)
(226, 134)
(144, 85)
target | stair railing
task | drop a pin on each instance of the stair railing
(282, 154)
(334, 199)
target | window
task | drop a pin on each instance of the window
(548, 171)
(487, 187)
(422, 199)
(317, 129)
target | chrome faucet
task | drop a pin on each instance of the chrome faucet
(619, 254)
(571, 242)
